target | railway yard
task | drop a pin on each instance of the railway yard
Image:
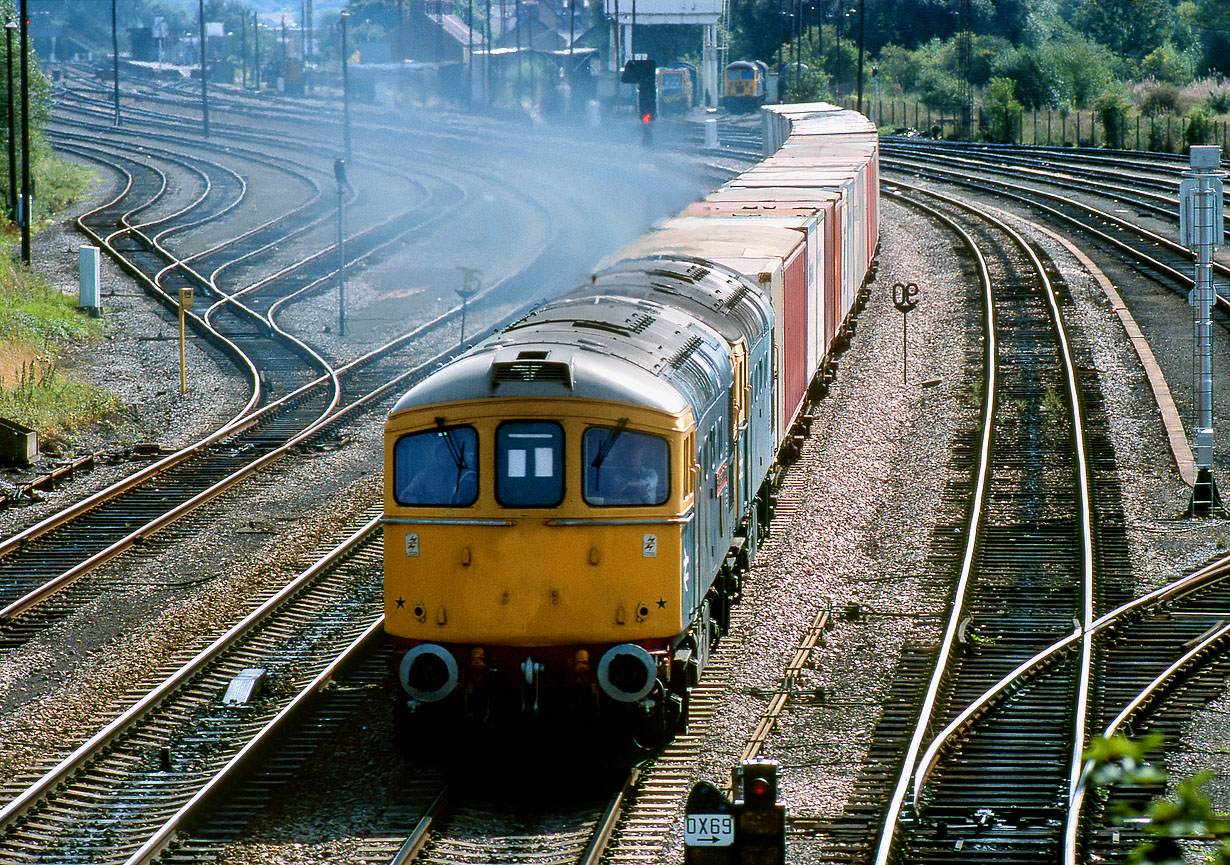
(1014, 603)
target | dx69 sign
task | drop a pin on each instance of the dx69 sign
(709, 830)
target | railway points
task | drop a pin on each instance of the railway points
(860, 530)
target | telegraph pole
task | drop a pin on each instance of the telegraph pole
(345, 16)
(862, 8)
(24, 24)
(1201, 230)
(115, 62)
(204, 76)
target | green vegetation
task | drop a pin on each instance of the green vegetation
(1186, 817)
(37, 325)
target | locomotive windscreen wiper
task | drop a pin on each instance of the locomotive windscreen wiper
(455, 449)
(605, 447)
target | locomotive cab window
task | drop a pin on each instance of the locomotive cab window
(625, 468)
(437, 467)
(529, 458)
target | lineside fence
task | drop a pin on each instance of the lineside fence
(1164, 133)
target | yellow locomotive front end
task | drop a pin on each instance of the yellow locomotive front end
(534, 547)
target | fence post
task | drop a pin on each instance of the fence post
(1049, 112)
(1138, 132)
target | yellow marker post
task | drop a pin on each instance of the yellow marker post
(185, 302)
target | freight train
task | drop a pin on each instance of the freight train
(571, 505)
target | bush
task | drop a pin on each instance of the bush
(1085, 67)
(1111, 109)
(1000, 104)
(899, 66)
(1038, 81)
(36, 323)
(811, 85)
(939, 88)
(1163, 99)
(1166, 64)
(1199, 128)
(1218, 101)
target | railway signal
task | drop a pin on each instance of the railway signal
(751, 829)
(761, 829)
(644, 74)
(1201, 230)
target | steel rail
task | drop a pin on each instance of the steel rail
(1212, 639)
(417, 840)
(991, 350)
(20, 804)
(1206, 576)
(39, 595)
(1093, 179)
(191, 810)
(57, 584)
(1030, 197)
(1082, 477)
(601, 837)
(172, 303)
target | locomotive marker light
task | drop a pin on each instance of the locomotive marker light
(339, 171)
(708, 827)
(1201, 229)
(905, 298)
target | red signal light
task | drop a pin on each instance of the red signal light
(646, 118)
(758, 789)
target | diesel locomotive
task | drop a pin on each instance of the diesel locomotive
(571, 504)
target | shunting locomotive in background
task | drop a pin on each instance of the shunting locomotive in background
(570, 505)
(743, 86)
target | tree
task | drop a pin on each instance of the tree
(1131, 28)
(1000, 104)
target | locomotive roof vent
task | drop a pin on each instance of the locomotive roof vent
(531, 366)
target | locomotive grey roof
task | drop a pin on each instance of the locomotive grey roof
(727, 301)
(595, 347)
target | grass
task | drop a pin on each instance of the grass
(37, 326)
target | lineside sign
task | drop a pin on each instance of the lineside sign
(709, 830)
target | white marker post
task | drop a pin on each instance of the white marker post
(1201, 230)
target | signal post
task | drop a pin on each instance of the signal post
(1201, 230)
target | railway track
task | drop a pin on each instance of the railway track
(127, 791)
(1160, 257)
